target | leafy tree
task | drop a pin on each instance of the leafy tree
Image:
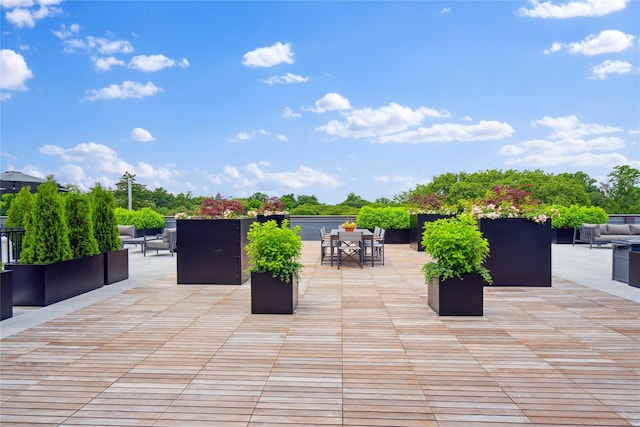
(105, 225)
(78, 214)
(623, 190)
(307, 200)
(355, 201)
(383, 201)
(20, 210)
(46, 237)
(289, 201)
(141, 197)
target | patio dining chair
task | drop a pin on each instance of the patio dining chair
(351, 244)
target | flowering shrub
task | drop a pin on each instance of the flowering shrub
(509, 202)
(430, 204)
(272, 206)
(220, 208)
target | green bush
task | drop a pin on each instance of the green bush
(143, 218)
(275, 249)
(20, 210)
(456, 246)
(46, 237)
(78, 215)
(391, 217)
(105, 226)
(576, 215)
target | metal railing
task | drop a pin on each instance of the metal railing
(11, 245)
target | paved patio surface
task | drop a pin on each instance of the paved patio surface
(363, 349)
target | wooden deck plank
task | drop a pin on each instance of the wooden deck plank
(363, 349)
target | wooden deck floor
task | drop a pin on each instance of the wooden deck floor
(363, 349)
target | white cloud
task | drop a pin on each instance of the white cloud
(151, 63)
(445, 10)
(87, 163)
(281, 137)
(331, 102)
(372, 123)
(571, 127)
(141, 135)
(446, 132)
(607, 41)
(105, 64)
(572, 9)
(570, 142)
(404, 181)
(91, 43)
(26, 13)
(14, 72)
(287, 78)
(289, 114)
(127, 89)
(247, 136)
(269, 56)
(65, 32)
(601, 71)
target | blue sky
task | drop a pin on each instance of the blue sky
(316, 98)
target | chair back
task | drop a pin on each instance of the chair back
(350, 236)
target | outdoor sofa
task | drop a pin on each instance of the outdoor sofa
(602, 234)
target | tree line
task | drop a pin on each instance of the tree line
(619, 194)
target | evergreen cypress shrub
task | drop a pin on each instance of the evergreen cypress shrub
(105, 225)
(20, 210)
(78, 211)
(46, 237)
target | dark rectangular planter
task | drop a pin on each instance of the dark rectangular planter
(634, 268)
(116, 266)
(6, 294)
(277, 218)
(416, 228)
(520, 251)
(270, 295)
(148, 232)
(397, 236)
(456, 297)
(41, 285)
(212, 251)
(562, 236)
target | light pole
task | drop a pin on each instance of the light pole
(129, 192)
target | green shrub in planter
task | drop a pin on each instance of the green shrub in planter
(576, 215)
(390, 217)
(46, 237)
(105, 225)
(456, 247)
(20, 210)
(276, 250)
(78, 215)
(143, 218)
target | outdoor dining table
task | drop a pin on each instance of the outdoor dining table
(367, 236)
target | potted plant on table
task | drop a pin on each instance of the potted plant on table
(348, 225)
(456, 274)
(274, 253)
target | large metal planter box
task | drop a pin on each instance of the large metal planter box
(520, 251)
(456, 297)
(562, 236)
(212, 251)
(116, 266)
(278, 218)
(6, 294)
(270, 295)
(634, 267)
(396, 236)
(41, 285)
